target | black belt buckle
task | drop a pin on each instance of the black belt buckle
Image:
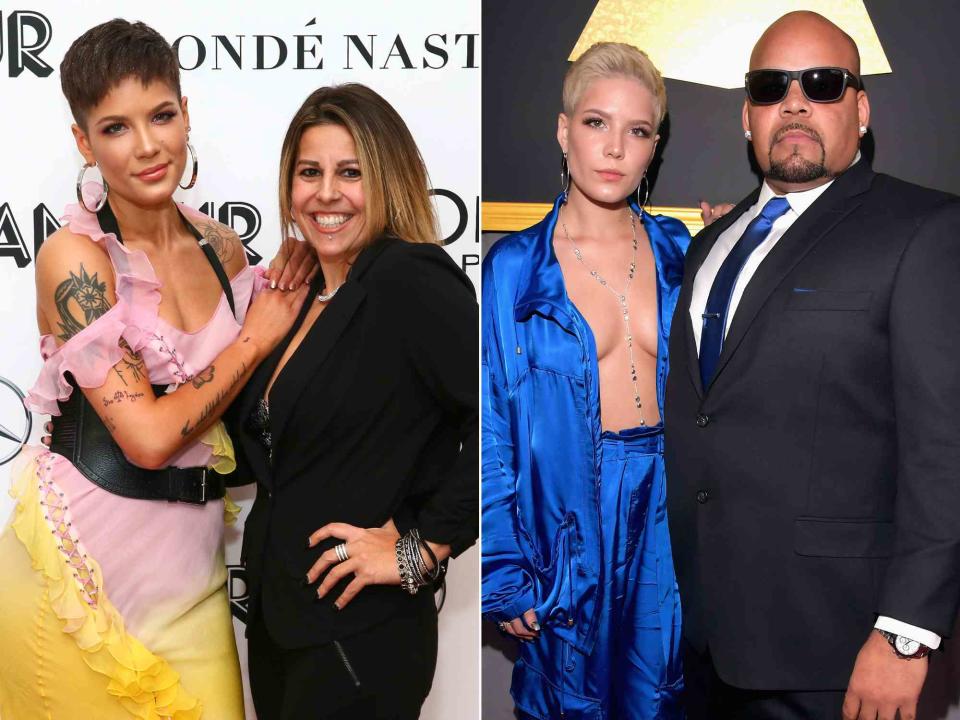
(192, 486)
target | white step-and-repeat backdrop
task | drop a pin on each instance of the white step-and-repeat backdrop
(247, 66)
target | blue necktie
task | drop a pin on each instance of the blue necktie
(718, 302)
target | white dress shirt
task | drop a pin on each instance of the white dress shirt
(799, 202)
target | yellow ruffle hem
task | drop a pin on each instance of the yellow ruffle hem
(63, 597)
(144, 684)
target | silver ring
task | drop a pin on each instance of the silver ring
(503, 625)
(341, 550)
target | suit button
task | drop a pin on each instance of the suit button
(702, 420)
(703, 496)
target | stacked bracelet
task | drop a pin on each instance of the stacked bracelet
(414, 571)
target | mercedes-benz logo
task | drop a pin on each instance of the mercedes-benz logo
(15, 421)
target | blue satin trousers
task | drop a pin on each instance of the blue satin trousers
(634, 670)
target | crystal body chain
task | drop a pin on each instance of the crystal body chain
(621, 299)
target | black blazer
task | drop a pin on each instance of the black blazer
(373, 417)
(816, 483)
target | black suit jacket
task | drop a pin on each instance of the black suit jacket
(373, 417)
(816, 483)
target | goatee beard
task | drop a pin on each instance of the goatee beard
(797, 170)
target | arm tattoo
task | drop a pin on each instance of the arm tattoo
(121, 396)
(203, 377)
(88, 293)
(131, 363)
(221, 243)
(211, 406)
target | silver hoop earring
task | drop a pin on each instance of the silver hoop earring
(646, 195)
(564, 176)
(196, 168)
(103, 198)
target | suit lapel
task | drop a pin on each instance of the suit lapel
(818, 220)
(699, 250)
(289, 389)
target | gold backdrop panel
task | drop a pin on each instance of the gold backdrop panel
(709, 42)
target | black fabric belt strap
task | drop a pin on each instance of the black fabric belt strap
(80, 435)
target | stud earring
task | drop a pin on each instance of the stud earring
(863, 129)
(748, 135)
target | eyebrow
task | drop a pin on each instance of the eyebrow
(121, 118)
(596, 111)
(314, 163)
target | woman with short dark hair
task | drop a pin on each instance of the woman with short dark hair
(113, 593)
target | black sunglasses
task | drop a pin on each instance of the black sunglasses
(820, 85)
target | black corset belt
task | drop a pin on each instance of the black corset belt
(80, 436)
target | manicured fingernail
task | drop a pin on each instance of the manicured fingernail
(273, 284)
(321, 593)
(281, 286)
(338, 606)
(293, 287)
(535, 625)
(305, 581)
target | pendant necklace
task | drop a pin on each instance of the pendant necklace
(622, 299)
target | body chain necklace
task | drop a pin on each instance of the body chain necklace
(622, 299)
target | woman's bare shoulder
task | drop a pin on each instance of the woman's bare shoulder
(224, 241)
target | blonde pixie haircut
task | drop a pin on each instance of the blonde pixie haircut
(610, 59)
(396, 187)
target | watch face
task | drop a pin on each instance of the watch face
(906, 646)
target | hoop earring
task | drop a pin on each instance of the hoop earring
(564, 177)
(196, 168)
(103, 198)
(646, 195)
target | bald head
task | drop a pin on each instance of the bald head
(803, 29)
(801, 143)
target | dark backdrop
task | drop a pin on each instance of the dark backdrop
(914, 135)
(915, 110)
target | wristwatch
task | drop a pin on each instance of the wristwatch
(904, 647)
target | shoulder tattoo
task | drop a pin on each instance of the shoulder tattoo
(84, 292)
(221, 242)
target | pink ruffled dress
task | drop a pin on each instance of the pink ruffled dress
(114, 607)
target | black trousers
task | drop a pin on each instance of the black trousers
(381, 673)
(708, 697)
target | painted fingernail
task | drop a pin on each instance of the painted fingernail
(305, 581)
(535, 625)
(338, 606)
(309, 544)
(273, 284)
(293, 287)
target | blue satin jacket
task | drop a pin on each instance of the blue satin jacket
(541, 429)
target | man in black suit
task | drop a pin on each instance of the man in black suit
(812, 451)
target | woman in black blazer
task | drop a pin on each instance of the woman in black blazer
(360, 430)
